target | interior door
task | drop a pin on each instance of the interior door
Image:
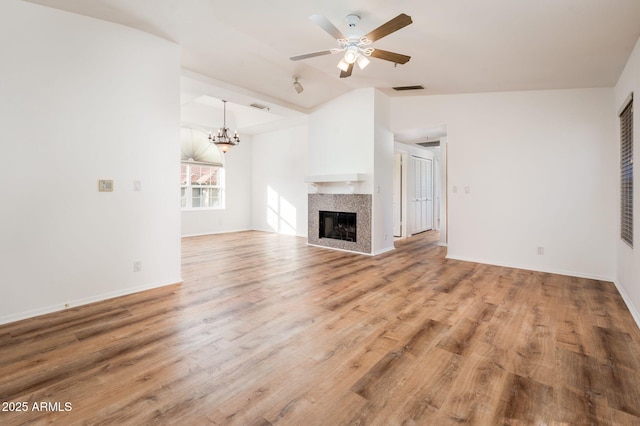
(428, 192)
(397, 195)
(421, 195)
(415, 222)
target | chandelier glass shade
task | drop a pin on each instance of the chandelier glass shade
(222, 138)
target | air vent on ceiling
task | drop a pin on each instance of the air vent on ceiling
(429, 144)
(401, 88)
(260, 106)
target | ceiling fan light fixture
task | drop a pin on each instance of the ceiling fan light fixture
(351, 54)
(363, 61)
(355, 46)
(343, 65)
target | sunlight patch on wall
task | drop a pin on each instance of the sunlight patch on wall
(272, 208)
(281, 214)
(287, 217)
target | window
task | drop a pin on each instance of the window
(202, 186)
(201, 173)
(626, 173)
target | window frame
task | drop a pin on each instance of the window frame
(187, 187)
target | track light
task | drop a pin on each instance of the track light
(297, 85)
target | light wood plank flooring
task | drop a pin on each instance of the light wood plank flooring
(268, 331)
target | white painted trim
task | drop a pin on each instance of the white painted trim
(217, 232)
(626, 103)
(628, 302)
(349, 177)
(530, 268)
(384, 250)
(441, 244)
(80, 302)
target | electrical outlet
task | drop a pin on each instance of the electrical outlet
(540, 251)
(137, 266)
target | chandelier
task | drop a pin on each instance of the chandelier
(222, 138)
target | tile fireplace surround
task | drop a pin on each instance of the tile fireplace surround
(360, 204)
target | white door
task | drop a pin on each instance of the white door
(428, 193)
(421, 195)
(397, 195)
(415, 195)
(436, 195)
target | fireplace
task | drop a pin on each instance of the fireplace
(346, 224)
(337, 225)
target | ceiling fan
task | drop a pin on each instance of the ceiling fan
(356, 48)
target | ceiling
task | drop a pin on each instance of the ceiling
(456, 46)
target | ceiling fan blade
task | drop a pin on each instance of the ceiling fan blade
(391, 26)
(347, 73)
(397, 58)
(326, 25)
(311, 55)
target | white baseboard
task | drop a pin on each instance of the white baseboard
(268, 231)
(384, 250)
(215, 233)
(628, 302)
(531, 268)
(79, 302)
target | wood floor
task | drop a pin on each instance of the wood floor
(268, 331)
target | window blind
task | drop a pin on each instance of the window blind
(626, 173)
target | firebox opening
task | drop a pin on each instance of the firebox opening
(338, 225)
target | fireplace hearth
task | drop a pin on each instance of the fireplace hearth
(337, 225)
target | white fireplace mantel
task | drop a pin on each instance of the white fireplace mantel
(339, 178)
(336, 183)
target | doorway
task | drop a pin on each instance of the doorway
(428, 203)
(420, 190)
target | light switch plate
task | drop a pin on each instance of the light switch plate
(105, 185)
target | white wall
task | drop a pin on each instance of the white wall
(540, 167)
(341, 135)
(442, 181)
(351, 134)
(382, 223)
(628, 260)
(236, 216)
(82, 100)
(279, 191)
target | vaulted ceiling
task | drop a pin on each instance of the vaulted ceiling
(456, 46)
